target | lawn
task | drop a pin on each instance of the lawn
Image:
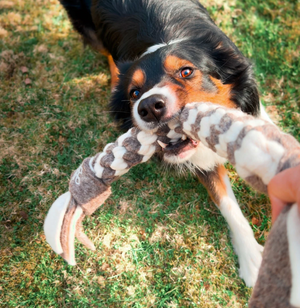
(160, 240)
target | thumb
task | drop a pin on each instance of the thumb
(284, 188)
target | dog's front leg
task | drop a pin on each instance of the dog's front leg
(248, 250)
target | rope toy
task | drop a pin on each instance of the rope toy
(257, 149)
(89, 187)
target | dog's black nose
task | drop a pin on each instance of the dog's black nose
(152, 108)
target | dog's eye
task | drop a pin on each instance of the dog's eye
(186, 72)
(134, 93)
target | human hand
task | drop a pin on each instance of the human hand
(284, 188)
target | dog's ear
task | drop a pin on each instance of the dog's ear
(119, 103)
(233, 68)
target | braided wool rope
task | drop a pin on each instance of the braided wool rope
(90, 186)
(258, 149)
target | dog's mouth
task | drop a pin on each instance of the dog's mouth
(178, 147)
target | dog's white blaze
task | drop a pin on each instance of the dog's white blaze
(293, 235)
(165, 91)
(54, 220)
(153, 48)
(248, 250)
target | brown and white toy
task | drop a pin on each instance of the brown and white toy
(90, 184)
(89, 187)
(257, 149)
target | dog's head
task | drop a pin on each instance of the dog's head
(154, 89)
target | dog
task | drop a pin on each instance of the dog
(163, 55)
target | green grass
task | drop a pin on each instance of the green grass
(160, 240)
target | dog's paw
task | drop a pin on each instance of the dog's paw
(250, 256)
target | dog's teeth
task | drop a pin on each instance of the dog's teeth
(183, 137)
(163, 145)
(173, 135)
(174, 140)
(173, 124)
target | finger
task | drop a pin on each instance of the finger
(284, 188)
(81, 236)
(285, 185)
